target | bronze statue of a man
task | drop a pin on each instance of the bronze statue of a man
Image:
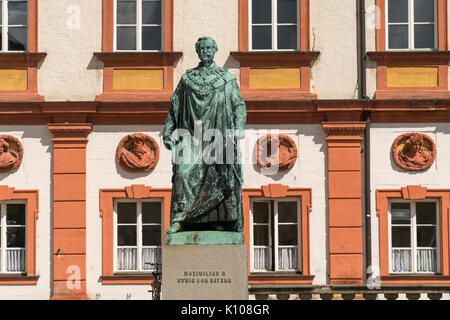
(206, 195)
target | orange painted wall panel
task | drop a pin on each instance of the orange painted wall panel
(62, 291)
(344, 159)
(345, 212)
(69, 241)
(69, 187)
(70, 266)
(69, 214)
(346, 266)
(344, 184)
(345, 240)
(69, 161)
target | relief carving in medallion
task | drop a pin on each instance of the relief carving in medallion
(138, 152)
(11, 153)
(284, 156)
(414, 151)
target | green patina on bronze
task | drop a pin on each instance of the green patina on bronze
(206, 196)
(204, 237)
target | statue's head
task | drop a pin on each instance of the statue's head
(206, 48)
(414, 143)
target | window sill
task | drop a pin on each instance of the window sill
(128, 59)
(15, 279)
(28, 61)
(434, 57)
(131, 87)
(277, 66)
(274, 58)
(128, 278)
(414, 279)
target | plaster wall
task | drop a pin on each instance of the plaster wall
(70, 31)
(34, 173)
(333, 33)
(217, 19)
(104, 172)
(386, 175)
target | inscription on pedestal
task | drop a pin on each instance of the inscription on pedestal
(205, 272)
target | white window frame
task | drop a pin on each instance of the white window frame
(413, 240)
(139, 224)
(411, 24)
(3, 227)
(274, 220)
(139, 26)
(274, 26)
(4, 26)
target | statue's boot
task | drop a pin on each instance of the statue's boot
(176, 225)
(174, 228)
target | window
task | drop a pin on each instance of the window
(137, 234)
(13, 24)
(275, 235)
(12, 237)
(274, 24)
(414, 237)
(411, 24)
(138, 25)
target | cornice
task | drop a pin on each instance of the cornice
(339, 128)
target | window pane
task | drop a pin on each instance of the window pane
(17, 39)
(401, 213)
(401, 237)
(151, 12)
(126, 12)
(287, 11)
(398, 37)
(126, 236)
(150, 258)
(401, 260)
(423, 10)
(1, 39)
(287, 37)
(424, 36)
(151, 235)
(15, 237)
(126, 258)
(126, 38)
(426, 237)
(426, 212)
(151, 38)
(261, 235)
(398, 11)
(151, 212)
(260, 212)
(426, 260)
(17, 13)
(287, 211)
(287, 235)
(1, 13)
(261, 11)
(262, 37)
(126, 212)
(15, 214)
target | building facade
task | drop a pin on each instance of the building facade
(356, 92)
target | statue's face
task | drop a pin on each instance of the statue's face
(206, 50)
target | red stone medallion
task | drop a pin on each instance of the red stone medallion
(11, 153)
(137, 152)
(285, 155)
(413, 151)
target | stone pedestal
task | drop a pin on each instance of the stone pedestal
(205, 272)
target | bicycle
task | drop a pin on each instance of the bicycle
(156, 284)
